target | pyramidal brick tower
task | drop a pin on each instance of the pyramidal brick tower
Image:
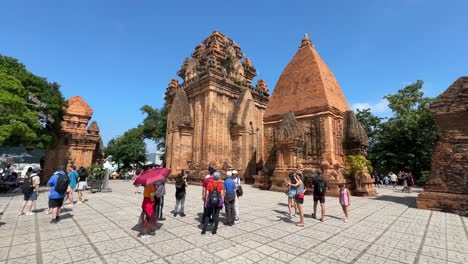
(308, 123)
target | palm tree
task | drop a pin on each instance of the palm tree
(358, 165)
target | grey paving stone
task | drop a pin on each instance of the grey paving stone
(104, 230)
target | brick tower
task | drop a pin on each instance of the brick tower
(215, 115)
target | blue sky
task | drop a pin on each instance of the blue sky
(120, 55)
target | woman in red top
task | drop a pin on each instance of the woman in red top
(213, 202)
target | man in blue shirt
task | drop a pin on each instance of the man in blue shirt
(55, 198)
(229, 198)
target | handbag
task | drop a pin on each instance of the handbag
(300, 195)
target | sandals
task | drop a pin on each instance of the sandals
(300, 224)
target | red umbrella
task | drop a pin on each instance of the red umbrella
(151, 176)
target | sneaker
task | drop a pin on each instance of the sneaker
(79, 202)
(53, 221)
(20, 214)
(203, 232)
(182, 214)
(57, 218)
(175, 214)
(161, 219)
(152, 233)
(213, 232)
(146, 236)
(237, 219)
(346, 220)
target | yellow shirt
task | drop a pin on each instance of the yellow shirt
(149, 191)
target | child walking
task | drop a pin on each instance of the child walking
(344, 201)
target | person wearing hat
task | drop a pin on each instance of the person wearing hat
(214, 187)
(30, 197)
(73, 176)
(236, 179)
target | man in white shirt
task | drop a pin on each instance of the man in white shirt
(235, 177)
(393, 179)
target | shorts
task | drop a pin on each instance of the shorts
(27, 196)
(299, 200)
(292, 193)
(33, 196)
(55, 202)
(81, 186)
(319, 198)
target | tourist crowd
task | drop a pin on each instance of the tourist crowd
(217, 194)
(404, 178)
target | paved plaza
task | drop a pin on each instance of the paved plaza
(384, 229)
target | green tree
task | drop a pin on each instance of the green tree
(18, 124)
(369, 122)
(357, 165)
(127, 151)
(405, 140)
(154, 125)
(26, 87)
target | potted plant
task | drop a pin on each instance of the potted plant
(358, 165)
(96, 175)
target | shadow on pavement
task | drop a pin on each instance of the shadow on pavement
(409, 201)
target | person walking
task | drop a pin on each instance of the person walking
(345, 201)
(410, 180)
(57, 193)
(180, 185)
(30, 189)
(299, 198)
(239, 193)
(320, 187)
(73, 175)
(393, 179)
(229, 199)
(213, 202)
(82, 183)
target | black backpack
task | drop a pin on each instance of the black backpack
(239, 191)
(62, 183)
(27, 187)
(321, 187)
(214, 196)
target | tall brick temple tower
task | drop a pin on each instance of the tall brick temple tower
(308, 124)
(78, 144)
(447, 187)
(215, 115)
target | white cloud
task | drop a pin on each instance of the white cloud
(380, 107)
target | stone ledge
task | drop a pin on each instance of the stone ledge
(446, 202)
